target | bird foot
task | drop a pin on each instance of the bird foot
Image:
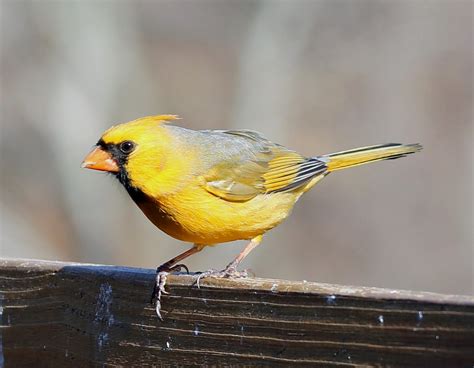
(162, 273)
(230, 272)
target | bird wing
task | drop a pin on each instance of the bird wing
(259, 167)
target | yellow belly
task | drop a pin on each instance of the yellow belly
(194, 215)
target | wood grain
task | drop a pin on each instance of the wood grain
(74, 315)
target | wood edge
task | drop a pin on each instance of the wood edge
(252, 284)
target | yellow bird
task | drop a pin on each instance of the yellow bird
(214, 186)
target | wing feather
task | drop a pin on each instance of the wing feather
(271, 168)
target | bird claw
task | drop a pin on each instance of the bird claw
(159, 289)
(230, 272)
(179, 267)
(160, 283)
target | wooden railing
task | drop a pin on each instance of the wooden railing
(75, 315)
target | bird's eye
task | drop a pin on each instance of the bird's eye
(127, 147)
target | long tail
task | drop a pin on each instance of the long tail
(364, 155)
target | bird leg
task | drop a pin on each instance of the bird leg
(162, 273)
(231, 270)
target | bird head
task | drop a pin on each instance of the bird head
(135, 152)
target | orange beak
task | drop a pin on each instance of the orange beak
(100, 160)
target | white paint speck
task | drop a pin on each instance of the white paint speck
(380, 318)
(168, 345)
(331, 299)
(103, 315)
(274, 288)
(196, 330)
(104, 301)
(102, 339)
(1, 315)
(437, 337)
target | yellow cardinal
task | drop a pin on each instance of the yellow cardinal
(214, 186)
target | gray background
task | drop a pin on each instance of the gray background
(316, 76)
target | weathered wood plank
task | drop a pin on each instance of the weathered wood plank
(66, 314)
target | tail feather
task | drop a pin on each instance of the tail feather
(363, 155)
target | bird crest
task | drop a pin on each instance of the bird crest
(164, 118)
(160, 119)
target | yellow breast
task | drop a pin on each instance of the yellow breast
(194, 215)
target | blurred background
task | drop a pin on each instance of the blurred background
(316, 76)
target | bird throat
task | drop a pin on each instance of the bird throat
(135, 193)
